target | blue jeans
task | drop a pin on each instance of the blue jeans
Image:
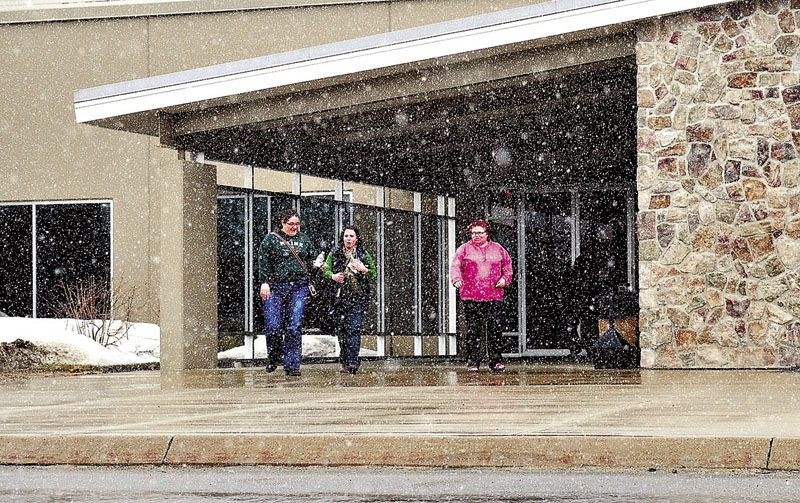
(283, 316)
(350, 317)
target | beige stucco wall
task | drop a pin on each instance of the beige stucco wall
(47, 156)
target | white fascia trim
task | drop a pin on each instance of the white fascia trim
(451, 44)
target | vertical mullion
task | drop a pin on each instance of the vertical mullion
(451, 291)
(33, 259)
(417, 274)
(522, 287)
(381, 339)
(631, 226)
(248, 261)
(444, 286)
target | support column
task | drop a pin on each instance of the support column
(188, 266)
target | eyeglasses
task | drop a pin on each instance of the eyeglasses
(293, 224)
(478, 233)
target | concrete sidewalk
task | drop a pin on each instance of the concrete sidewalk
(404, 413)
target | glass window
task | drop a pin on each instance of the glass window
(432, 230)
(548, 248)
(366, 219)
(265, 211)
(399, 255)
(318, 217)
(231, 263)
(603, 237)
(504, 232)
(16, 266)
(73, 244)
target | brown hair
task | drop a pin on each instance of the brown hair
(479, 223)
(285, 215)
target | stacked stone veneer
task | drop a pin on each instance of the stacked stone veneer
(718, 179)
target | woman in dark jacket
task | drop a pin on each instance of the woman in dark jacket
(353, 269)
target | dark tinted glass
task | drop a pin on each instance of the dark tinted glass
(231, 264)
(73, 244)
(399, 272)
(16, 266)
(548, 247)
(366, 219)
(432, 261)
(604, 242)
(318, 216)
(265, 210)
(504, 232)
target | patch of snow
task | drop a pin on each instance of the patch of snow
(313, 346)
(60, 337)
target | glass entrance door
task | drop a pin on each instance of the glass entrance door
(569, 249)
(548, 224)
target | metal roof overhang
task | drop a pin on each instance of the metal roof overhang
(142, 105)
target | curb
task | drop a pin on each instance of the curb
(531, 452)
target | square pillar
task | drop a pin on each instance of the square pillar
(188, 266)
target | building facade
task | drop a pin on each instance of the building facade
(640, 151)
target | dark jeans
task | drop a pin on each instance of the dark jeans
(283, 316)
(349, 318)
(483, 318)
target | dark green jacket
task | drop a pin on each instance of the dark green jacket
(276, 264)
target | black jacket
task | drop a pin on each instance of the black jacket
(338, 261)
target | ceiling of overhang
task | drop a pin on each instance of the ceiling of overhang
(572, 126)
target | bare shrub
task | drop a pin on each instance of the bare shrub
(97, 311)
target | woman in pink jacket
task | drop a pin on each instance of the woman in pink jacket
(480, 270)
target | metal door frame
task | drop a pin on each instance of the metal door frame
(520, 267)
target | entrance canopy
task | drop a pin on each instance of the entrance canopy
(398, 108)
(132, 105)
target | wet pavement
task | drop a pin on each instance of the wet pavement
(406, 413)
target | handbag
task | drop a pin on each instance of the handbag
(312, 289)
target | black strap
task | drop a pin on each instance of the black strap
(291, 249)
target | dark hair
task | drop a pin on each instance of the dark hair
(352, 228)
(479, 223)
(285, 215)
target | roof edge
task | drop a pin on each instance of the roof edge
(394, 49)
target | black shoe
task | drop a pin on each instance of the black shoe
(272, 368)
(293, 372)
(352, 370)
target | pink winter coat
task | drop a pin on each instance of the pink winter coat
(480, 269)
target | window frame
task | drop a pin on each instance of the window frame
(34, 248)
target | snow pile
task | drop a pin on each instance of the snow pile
(65, 345)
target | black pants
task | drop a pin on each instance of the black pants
(483, 318)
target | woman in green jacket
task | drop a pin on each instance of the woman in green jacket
(353, 269)
(284, 288)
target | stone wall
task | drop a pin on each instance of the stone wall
(718, 175)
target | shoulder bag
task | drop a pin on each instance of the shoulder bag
(311, 288)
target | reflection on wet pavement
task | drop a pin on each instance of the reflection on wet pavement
(409, 397)
(394, 374)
